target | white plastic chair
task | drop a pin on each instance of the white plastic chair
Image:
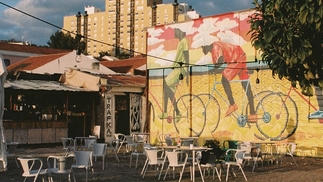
(152, 160)
(68, 145)
(209, 164)
(130, 143)
(140, 138)
(114, 147)
(139, 151)
(289, 151)
(60, 165)
(238, 162)
(32, 168)
(88, 142)
(11, 147)
(256, 156)
(99, 150)
(173, 161)
(246, 146)
(83, 159)
(121, 140)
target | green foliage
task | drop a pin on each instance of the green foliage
(212, 143)
(289, 35)
(215, 145)
(61, 40)
(104, 53)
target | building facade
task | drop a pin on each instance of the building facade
(122, 26)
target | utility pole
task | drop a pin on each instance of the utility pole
(175, 15)
(154, 14)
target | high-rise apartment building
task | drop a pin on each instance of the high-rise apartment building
(122, 26)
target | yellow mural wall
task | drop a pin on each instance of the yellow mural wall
(218, 95)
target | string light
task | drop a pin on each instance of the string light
(91, 39)
(180, 76)
(257, 79)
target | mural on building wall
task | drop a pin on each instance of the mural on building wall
(204, 81)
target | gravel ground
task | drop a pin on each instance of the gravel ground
(308, 169)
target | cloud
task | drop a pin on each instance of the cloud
(204, 60)
(158, 51)
(15, 25)
(168, 61)
(185, 27)
(231, 37)
(154, 33)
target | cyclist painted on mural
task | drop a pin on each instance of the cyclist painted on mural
(172, 79)
(235, 58)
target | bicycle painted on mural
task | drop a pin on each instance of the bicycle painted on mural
(277, 113)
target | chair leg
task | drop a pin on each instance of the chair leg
(198, 165)
(181, 174)
(143, 168)
(137, 161)
(86, 174)
(161, 170)
(243, 173)
(103, 162)
(17, 162)
(73, 175)
(294, 160)
(116, 156)
(218, 173)
(166, 173)
(228, 168)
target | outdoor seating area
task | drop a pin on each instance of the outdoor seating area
(247, 161)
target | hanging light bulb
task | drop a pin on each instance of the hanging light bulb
(78, 57)
(257, 79)
(181, 76)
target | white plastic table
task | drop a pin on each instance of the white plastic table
(187, 148)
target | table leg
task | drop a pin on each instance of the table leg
(193, 163)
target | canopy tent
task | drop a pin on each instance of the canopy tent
(3, 146)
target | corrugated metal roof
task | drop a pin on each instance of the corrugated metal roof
(125, 65)
(127, 80)
(42, 85)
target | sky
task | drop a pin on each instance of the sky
(21, 27)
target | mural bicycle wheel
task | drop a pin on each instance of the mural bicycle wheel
(275, 122)
(191, 120)
(212, 111)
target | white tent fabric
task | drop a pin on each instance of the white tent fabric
(79, 79)
(3, 146)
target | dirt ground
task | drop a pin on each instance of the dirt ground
(309, 169)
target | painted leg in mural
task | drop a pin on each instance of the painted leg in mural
(169, 95)
(252, 117)
(227, 88)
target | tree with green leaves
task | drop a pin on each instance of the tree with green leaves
(289, 35)
(61, 40)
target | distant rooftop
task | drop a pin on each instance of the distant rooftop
(30, 49)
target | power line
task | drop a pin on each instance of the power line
(145, 54)
(58, 27)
